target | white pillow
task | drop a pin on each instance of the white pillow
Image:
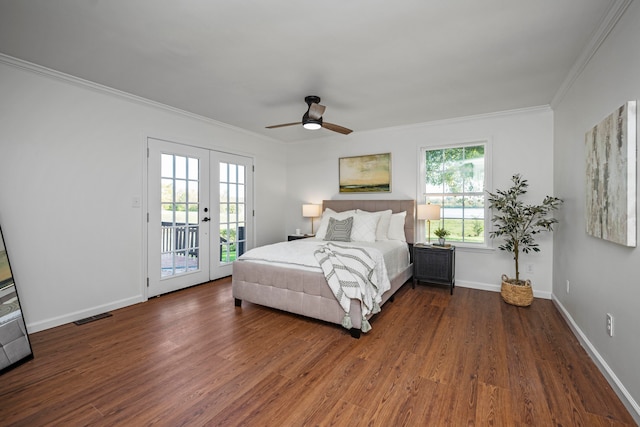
(396, 227)
(330, 213)
(364, 227)
(383, 225)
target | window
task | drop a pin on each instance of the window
(455, 179)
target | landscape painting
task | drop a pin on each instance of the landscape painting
(610, 148)
(365, 174)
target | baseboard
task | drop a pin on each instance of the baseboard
(495, 288)
(477, 285)
(613, 380)
(72, 317)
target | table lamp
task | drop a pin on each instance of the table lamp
(429, 213)
(311, 211)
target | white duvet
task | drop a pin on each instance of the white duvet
(391, 256)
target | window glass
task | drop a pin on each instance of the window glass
(455, 180)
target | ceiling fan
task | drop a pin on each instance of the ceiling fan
(312, 119)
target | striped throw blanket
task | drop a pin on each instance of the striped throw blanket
(351, 273)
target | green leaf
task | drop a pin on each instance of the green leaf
(519, 223)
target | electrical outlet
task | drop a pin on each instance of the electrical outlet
(530, 268)
(567, 285)
(610, 324)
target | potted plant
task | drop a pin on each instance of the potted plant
(441, 233)
(518, 223)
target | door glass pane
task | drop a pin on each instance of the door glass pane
(232, 211)
(232, 218)
(232, 233)
(179, 210)
(166, 165)
(167, 190)
(240, 174)
(223, 172)
(192, 217)
(224, 253)
(180, 167)
(193, 172)
(233, 176)
(224, 233)
(224, 191)
(180, 262)
(193, 191)
(181, 190)
(166, 212)
(241, 193)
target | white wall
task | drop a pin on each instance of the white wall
(603, 275)
(71, 160)
(522, 141)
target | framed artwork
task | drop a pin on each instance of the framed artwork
(610, 149)
(365, 174)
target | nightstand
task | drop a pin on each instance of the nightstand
(291, 237)
(434, 264)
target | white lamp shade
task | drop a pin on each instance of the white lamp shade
(311, 211)
(428, 212)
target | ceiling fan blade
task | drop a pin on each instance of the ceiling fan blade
(316, 111)
(283, 125)
(336, 128)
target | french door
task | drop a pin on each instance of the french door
(200, 214)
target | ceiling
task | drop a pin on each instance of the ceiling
(374, 63)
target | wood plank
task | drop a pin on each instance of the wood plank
(193, 358)
(494, 406)
(528, 402)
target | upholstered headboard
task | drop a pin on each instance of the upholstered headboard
(396, 206)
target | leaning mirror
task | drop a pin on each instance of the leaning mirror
(15, 347)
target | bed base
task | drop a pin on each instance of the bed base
(300, 292)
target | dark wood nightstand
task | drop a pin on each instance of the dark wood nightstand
(291, 237)
(434, 264)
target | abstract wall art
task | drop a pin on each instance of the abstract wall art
(610, 148)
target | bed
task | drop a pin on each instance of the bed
(305, 291)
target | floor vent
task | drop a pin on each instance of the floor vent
(92, 318)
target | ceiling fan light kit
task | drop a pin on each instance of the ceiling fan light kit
(312, 119)
(312, 124)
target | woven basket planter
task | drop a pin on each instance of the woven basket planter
(519, 295)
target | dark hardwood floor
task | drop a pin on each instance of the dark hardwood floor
(431, 359)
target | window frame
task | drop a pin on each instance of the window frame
(421, 196)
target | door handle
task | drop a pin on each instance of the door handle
(205, 219)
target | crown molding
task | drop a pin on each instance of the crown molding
(608, 24)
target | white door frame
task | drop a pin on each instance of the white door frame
(144, 270)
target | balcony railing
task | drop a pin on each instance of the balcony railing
(182, 237)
